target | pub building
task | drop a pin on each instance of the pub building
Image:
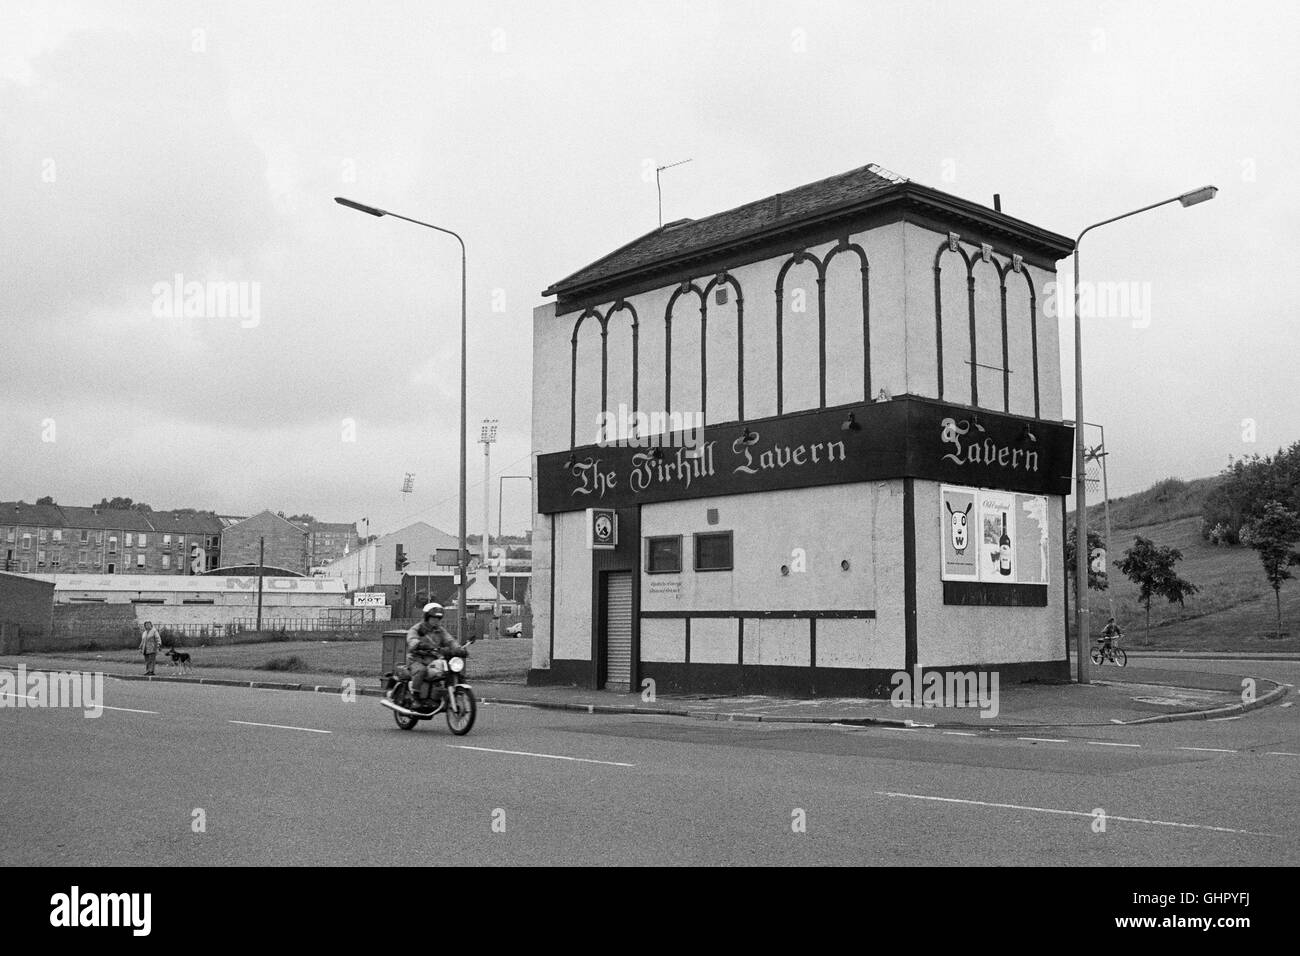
(801, 445)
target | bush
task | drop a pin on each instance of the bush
(291, 663)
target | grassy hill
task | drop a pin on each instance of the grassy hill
(1235, 609)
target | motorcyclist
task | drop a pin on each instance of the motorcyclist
(426, 644)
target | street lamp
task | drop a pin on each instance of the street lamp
(1080, 493)
(374, 211)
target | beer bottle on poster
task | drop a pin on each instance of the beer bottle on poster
(1004, 550)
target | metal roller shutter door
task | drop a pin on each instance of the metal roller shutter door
(618, 628)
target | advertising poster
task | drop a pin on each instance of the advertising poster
(996, 537)
(997, 554)
(1031, 539)
(960, 526)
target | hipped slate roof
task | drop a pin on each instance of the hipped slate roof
(836, 196)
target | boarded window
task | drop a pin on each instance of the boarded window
(663, 555)
(713, 551)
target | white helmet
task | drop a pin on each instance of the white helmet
(434, 608)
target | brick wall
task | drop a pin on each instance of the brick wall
(286, 545)
(28, 605)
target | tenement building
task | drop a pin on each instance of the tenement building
(802, 445)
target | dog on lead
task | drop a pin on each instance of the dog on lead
(180, 659)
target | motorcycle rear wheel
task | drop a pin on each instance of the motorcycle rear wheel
(402, 698)
(462, 708)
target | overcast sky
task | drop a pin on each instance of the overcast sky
(144, 140)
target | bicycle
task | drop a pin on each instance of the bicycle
(1108, 649)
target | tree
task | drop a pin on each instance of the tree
(1151, 568)
(1245, 485)
(47, 500)
(122, 504)
(1097, 578)
(303, 519)
(1272, 535)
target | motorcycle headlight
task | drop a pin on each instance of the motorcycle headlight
(457, 664)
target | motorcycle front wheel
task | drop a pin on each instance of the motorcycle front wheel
(462, 708)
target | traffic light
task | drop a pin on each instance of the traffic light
(401, 561)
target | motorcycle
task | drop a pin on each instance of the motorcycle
(456, 699)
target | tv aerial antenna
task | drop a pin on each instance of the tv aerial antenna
(659, 189)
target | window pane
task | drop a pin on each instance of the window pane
(713, 552)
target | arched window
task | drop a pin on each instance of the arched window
(953, 324)
(620, 362)
(684, 383)
(587, 378)
(1022, 336)
(798, 330)
(848, 376)
(990, 377)
(723, 355)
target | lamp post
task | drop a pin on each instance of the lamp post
(488, 435)
(461, 562)
(1080, 492)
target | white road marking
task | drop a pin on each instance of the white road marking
(1108, 743)
(1287, 704)
(1280, 753)
(129, 710)
(961, 733)
(310, 730)
(908, 730)
(1071, 813)
(1209, 750)
(1216, 719)
(526, 753)
(1044, 740)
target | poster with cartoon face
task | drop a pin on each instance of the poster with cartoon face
(957, 519)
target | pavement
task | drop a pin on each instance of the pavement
(1135, 694)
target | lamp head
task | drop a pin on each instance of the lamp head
(1203, 194)
(362, 207)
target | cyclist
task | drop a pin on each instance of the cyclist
(1110, 636)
